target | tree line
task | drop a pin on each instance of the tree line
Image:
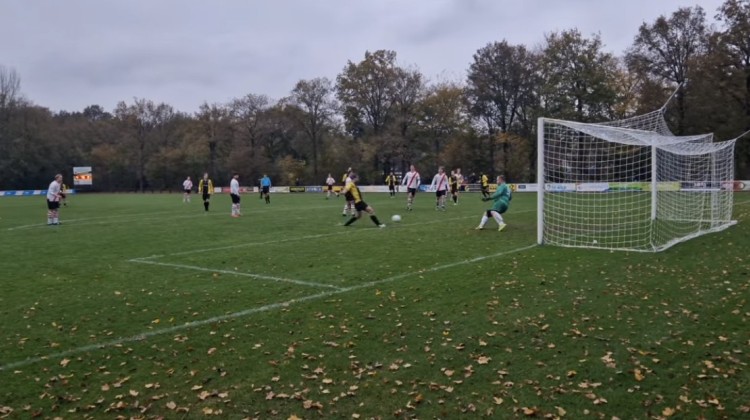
(382, 116)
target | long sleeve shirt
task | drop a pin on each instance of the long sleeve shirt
(439, 182)
(411, 179)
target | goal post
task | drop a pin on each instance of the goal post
(630, 184)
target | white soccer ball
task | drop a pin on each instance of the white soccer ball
(396, 218)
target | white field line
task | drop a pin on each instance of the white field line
(247, 312)
(104, 222)
(301, 238)
(742, 203)
(237, 273)
(99, 220)
(129, 217)
(296, 238)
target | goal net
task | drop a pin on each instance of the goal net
(630, 184)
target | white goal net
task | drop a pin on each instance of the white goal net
(630, 184)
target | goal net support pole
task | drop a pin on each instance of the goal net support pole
(540, 182)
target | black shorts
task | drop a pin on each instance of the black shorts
(412, 191)
(187, 191)
(206, 196)
(439, 193)
(330, 188)
(235, 198)
(392, 187)
(454, 189)
(485, 189)
(53, 205)
(360, 206)
(266, 189)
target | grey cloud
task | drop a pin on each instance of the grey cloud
(77, 52)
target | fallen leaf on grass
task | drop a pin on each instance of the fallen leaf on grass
(310, 405)
(608, 360)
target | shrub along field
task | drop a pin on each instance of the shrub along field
(143, 306)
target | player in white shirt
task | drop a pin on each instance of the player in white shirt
(412, 181)
(234, 192)
(187, 187)
(329, 182)
(54, 194)
(440, 186)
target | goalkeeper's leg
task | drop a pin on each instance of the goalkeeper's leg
(498, 217)
(485, 218)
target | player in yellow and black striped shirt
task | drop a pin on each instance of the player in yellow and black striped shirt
(351, 192)
(485, 185)
(391, 181)
(206, 187)
(64, 194)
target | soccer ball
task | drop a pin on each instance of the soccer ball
(396, 218)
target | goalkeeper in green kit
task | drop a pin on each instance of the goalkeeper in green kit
(501, 203)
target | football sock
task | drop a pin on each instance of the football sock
(205, 205)
(350, 221)
(484, 220)
(375, 220)
(498, 218)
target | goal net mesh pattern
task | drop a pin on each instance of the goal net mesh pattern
(631, 184)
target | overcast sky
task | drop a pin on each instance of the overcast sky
(75, 53)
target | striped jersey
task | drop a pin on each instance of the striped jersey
(439, 182)
(411, 179)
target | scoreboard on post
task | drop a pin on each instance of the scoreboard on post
(82, 175)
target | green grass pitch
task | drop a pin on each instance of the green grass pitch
(140, 306)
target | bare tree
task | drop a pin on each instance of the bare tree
(314, 99)
(666, 49)
(213, 120)
(246, 112)
(140, 120)
(10, 87)
(499, 91)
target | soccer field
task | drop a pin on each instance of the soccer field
(139, 305)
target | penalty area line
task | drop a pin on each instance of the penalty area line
(248, 312)
(235, 273)
(293, 239)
